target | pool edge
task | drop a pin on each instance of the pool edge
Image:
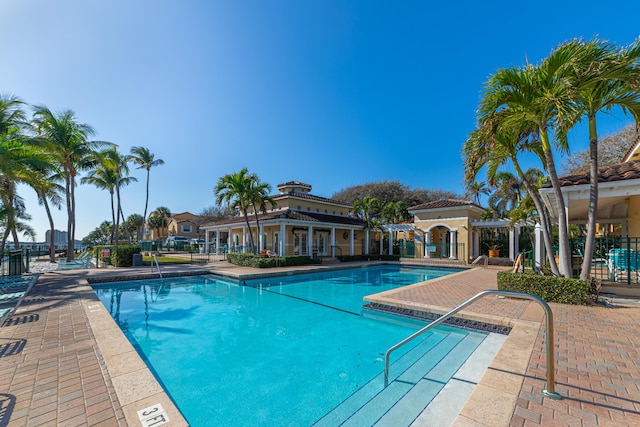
(135, 385)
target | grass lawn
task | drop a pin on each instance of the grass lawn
(163, 260)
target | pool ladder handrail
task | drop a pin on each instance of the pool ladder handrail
(157, 266)
(549, 391)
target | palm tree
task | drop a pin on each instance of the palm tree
(134, 223)
(142, 157)
(112, 159)
(395, 212)
(604, 79)
(158, 220)
(20, 162)
(493, 145)
(67, 142)
(49, 193)
(104, 178)
(475, 189)
(367, 209)
(507, 193)
(539, 97)
(235, 190)
(259, 196)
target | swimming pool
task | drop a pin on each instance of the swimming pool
(278, 351)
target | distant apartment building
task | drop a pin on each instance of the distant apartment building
(59, 237)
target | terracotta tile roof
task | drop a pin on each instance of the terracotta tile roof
(617, 172)
(309, 197)
(446, 203)
(294, 215)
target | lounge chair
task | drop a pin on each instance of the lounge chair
(12, 292)
(70, 265)
(267, 254)
(621, 260)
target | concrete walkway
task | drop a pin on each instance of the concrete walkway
(59, 362)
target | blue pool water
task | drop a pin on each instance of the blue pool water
(278, 351)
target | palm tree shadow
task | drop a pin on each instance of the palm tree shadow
(12, 347)
(7, 403)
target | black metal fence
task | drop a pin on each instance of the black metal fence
(15, 263)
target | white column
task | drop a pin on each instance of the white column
(261, 238)
(452, 244)
(218, 242)
(366, 241)
(244, 239)
(333, 241)
(229, 240)
(427, 241)
(351, 251)
(514, 247)
(390, 242)
(539, 255)
(310, 241)
(562, 243)
(476, 244)
(283, 239)
(206, 241)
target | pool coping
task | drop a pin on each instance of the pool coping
(491, 403)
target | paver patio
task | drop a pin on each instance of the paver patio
(55, 371)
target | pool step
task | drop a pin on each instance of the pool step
(415, 379)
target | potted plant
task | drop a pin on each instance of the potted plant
(493, 249)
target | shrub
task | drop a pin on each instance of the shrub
(122, 257)
(250, 260)
(549, 288)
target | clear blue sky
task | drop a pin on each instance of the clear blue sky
(332, 93)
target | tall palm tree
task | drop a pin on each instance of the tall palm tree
(112, 159)
(539, 97)
(20, 162)
(104, 178)
(49, 193)
(259, 194)
(67, 142)
(142, 157)
(235, 190)
(605, 78)
(496, 143)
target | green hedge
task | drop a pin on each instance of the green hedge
(250, 260)
(123, 257)
(370, 257)
(549, 288)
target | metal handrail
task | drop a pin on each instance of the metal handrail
(157, 265)
(549, 391)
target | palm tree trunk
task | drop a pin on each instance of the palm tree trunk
(258, 231)
(146, 201)
(68, 194)
(246, 218)
(589, 243)
(544, 221)
(113, 219)
(126, 229)
(563, 233)
(52, 248)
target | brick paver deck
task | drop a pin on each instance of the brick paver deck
(53, 372)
